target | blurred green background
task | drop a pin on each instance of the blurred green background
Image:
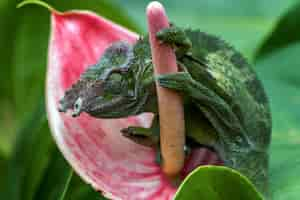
(267, 32)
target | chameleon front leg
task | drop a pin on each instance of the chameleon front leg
(206, 98)
(232, 143)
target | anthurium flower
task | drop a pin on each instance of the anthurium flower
(112, 164)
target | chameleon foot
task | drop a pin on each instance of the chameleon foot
(140, 135)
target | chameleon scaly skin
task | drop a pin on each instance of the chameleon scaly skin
(225, 104)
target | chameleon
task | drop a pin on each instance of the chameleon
(225, 105)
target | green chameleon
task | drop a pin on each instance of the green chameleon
(226, 108)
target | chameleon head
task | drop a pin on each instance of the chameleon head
(79, 97)
(113, 88)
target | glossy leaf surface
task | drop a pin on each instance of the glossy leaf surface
(216, 183)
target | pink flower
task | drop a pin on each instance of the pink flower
(95, 148)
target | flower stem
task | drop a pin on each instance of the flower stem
(37, 2)
(171, 113)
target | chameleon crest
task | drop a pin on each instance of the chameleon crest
(225, 105)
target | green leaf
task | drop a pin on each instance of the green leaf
(216, 183)
(3, 173)
(284, 171)
(56, 180)
(280, 74)
(7, 127)
(284, 33)
(79, 190)
(37, 169)
(7, 36)
(30, 59)
(30, 157)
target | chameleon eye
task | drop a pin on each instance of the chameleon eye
(77, 105)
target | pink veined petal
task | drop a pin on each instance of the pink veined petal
(95, 148)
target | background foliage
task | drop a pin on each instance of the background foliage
(266, 31)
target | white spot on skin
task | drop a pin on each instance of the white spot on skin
(215, 74)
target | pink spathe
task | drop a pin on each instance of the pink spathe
(95, 148)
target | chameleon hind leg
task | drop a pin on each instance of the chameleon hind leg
(148, 137)
(144, 136)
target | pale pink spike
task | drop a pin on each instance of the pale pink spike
(172, 133)
(94, 147)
